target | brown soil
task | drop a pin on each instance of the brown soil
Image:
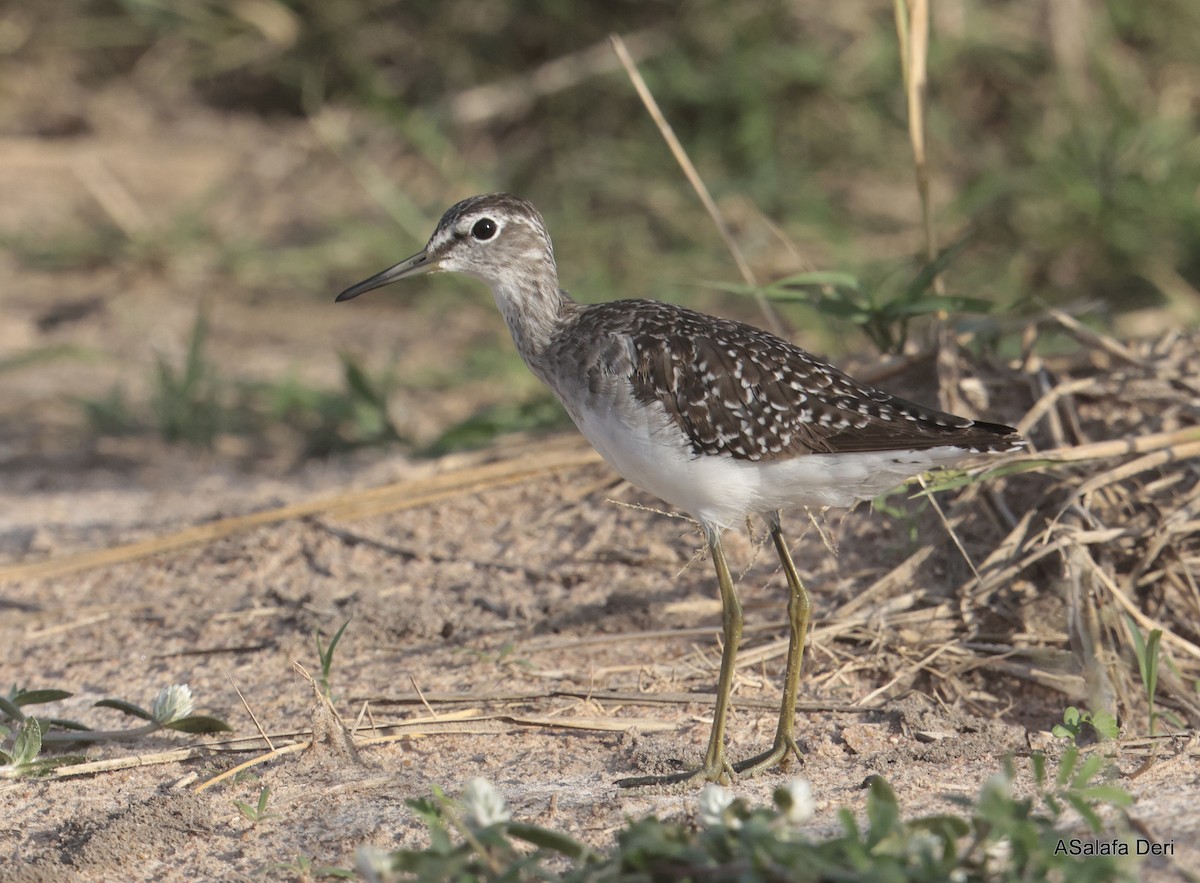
(524, 601)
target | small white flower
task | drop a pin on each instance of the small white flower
(998, 854)
(483, 805)
(795, 799)
(375, 865)
(715, 800)
(924, 847)
(958, 875)
(172, 703)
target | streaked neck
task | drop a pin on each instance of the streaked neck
(534, 308)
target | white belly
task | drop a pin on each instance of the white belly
(647, 449)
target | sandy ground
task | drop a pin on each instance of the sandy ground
(530, 604)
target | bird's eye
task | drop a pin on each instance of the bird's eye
(484, 229)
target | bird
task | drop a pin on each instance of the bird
(718, 418)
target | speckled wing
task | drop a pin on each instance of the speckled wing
(737, 390)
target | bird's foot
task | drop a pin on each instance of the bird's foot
(777, 754)
(716, 770)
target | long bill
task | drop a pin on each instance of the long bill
(414, 266)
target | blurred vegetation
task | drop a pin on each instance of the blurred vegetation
(1066, 134)
(1063, 137)
(194, 403)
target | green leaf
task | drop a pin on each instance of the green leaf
(28, 742)
(1038, 761)
(127, 707)
(938, 303)
(1150, 675)
(199, 723)
(427, 810)
(359, 383)
(533, 414)
(1087, 770)
(36, 697)
(42, 766)
(1085, 809)
(932, 269)
(258, 812)
(195, 368)
(1105, 724)
(841, 308)
(544, 838)
(849, 824)
(1067, 765)
(950, 479)
(1113, 795)
(820, 278)
(883, 812)
(327, 654)
(945, 826)
(1135, 634)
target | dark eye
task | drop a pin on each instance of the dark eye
(484, 229)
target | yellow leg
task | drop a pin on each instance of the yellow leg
(799, 608)
(716, 768)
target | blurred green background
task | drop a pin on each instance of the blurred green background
(1062, 141)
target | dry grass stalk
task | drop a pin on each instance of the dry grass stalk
(539, 460)
(689, 170)
(1107, 533)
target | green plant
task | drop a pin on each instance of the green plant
(22, 760)
(370, 397)
(72, 249)
(258, 812)
(305, 868)
(1075, 724)
(110, 414)
(1081, 781)
(185, 400)
(998, 838)
(884, 307)
(539, 412)
(1148, 651)
(18, 697)
(191, 403)
(171, 709)
(333, 420)
(325, 654)
(906, 517)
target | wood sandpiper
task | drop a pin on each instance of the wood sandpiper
(718, 418)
